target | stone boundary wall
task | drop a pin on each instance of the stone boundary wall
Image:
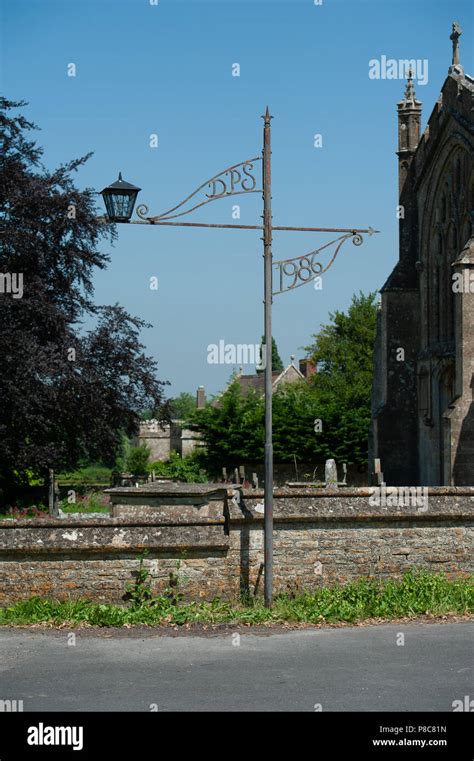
(320, 537)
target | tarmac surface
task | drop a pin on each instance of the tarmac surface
(390, 667)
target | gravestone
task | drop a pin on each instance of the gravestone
(378, 472)
(53, 497)
(344, 470)
(330, 472)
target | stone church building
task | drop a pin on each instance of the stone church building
(422, 405)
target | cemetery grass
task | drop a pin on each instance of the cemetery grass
(415, 595)
(91, 502)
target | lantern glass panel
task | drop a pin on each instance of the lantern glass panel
(119, 200)
(120, 205)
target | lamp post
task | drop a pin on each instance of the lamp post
(120, 198)
(268, 296)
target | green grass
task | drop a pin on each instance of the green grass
(90, 509)
(413, 595)
(91, 502)
(91, 474)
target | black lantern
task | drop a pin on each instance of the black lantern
(119, 199)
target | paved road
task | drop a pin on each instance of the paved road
(357, 668)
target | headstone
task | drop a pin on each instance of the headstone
(56, 497)
(254, 480)
(378, 472)
(236, 476)
(330, 473)
(53, 498)
(344, 470)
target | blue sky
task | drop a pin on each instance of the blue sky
(167, 69)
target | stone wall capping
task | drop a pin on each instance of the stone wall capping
(114, 539)
(154, 488)
(358, 491)
(108, 522)
(353, 515)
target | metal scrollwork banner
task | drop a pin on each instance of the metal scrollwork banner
(235, 180)
(302, 269)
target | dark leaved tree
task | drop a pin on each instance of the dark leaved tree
(67, 394)
(277, 364)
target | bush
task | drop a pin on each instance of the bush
(187, 469)
(137, 460)
(89, 474)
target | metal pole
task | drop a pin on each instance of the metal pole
(267, 256)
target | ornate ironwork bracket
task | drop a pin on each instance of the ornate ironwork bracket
(304, 269)
(233, 181)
